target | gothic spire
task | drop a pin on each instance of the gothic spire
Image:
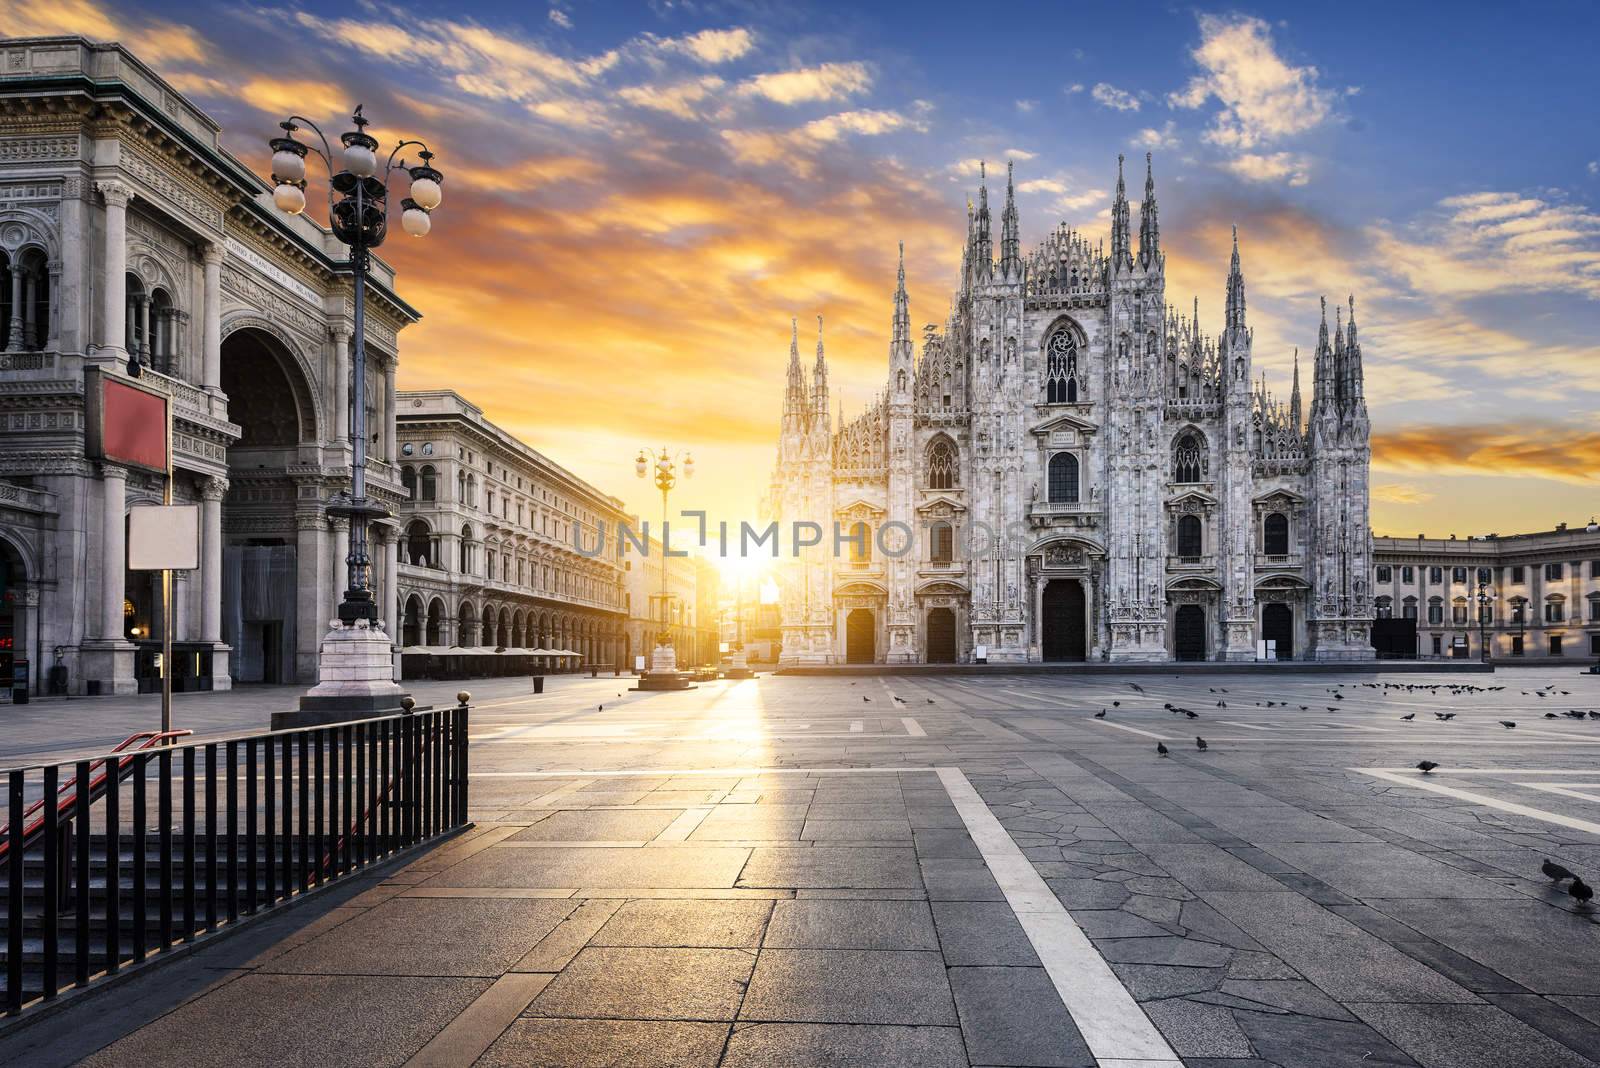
(1235, 313)
(1149, 228)
(902, 303)
(1294, 395)
(1355, 395)
(819, 379)
(1010, 239)
(1119, 223)
(794, 398)
(985, 249)
(1323, 385)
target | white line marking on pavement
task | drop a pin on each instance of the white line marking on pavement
(1415, 779)
(1110, 1021)
(1131, 730)
(1041, 697)
(681, 828)
(1566, 789)
(1246, 726)
(913, 728)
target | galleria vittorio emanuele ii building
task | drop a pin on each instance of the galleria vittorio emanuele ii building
(1072, 470)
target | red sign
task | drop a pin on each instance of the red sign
(128, 423)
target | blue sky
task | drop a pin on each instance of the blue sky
(638, 197)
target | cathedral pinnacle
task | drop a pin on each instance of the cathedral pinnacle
(1149, 228)
(1010, 237)
(1235, 312)
(1120, 253)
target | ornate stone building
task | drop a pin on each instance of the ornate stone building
(1072, 470)
(125, 227)
(687, 619)
(487, 554)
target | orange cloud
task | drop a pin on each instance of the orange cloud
(1565, 454)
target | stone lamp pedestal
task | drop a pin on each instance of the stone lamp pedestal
(355, 679)
(738, 666)
(664, 673)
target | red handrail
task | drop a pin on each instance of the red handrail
(64, 806)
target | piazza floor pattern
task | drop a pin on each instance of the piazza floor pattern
(944, 871)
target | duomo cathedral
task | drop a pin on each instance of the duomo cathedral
(1072, 470)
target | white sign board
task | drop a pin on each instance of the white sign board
(164, 537)
(980, 653)
(638, 663)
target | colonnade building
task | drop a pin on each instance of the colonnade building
(125, 228)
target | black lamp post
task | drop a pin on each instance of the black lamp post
(358, 213)
(1486, 598)
(666, 477)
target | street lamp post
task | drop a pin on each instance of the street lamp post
(358, 215)
(1486, 598)
(663, 466)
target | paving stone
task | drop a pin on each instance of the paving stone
(832, 867)
(1207, 867)
(600, 825)
(946, 844)
(959, 880)
(1548, 1017)
(1088, 893)
(686, 924)
(299, 1019)
(1288, 1041)
(763, 1045)
(816, 830)
(1291, 996)
(812, 924)
(1114, 923)
(982, 933)
(553, 1043)
(563, 866)
(1180, 951)
(1203, 921)
(1014, 1016)
(1371, 870)
(1545, 950)
(1197, 1029)
(428, 936)
(868, 810)
(648, 984)
(849, 986)
(1467, 1036)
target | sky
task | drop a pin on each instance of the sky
(639, 197)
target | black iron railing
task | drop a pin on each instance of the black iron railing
(113, 858)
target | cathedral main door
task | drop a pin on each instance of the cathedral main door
(1189, 638)
(1064, 635)
(941, 636)
(860, 637)
(1277, 624)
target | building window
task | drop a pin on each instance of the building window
(1553, 572)
(1594, 610)
(1518, 576)
(1518, 608)
(860, 543)
(1277, 534)
(1189, 537)
(1486, 613)
(1385, 573)
(1436, 575)
(941, 465)
(1458, 613)
(408, 479)
(1594, 568)
(1435, 611)
(1063, 478)
(419, 544)
(1458, 574)
(1410, 608)
(1383, 608)
(1188, 458)
(1516, 645)
(429, 483)
(941, 543)
(1408, 574)
(1555, 611)
(466, 551)
(1555, 645)
(1061, 369)
(1438, 645)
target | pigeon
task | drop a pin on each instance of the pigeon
(1200, 743)
(1136, 687)
(1100, 714)
(1551, 715)
(1191, 715)
(1581, 891)
(1426, 766)
(1593, 714)
(1508, 723)
(1116, 704)
(1161, 749)
(1556, 872)
(866, 699)
(1333, 708)
(930, 700)
(1409, 716)
(1222, 704)
(602, 708)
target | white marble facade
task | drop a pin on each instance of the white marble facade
(124, 226)
(1083, 474)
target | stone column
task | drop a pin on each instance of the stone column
(211, 341)
(146, 350)
(391, 593)
(14, 329)
(114, 550)
(30, 297)
(114, 285)
(53, 341)
(212, 491)
(341, 382)
(390, 451)
(311, 611)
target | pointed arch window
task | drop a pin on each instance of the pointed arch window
(1189, 458)
(1061, 368)
(942, 465)
(1063, 480)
